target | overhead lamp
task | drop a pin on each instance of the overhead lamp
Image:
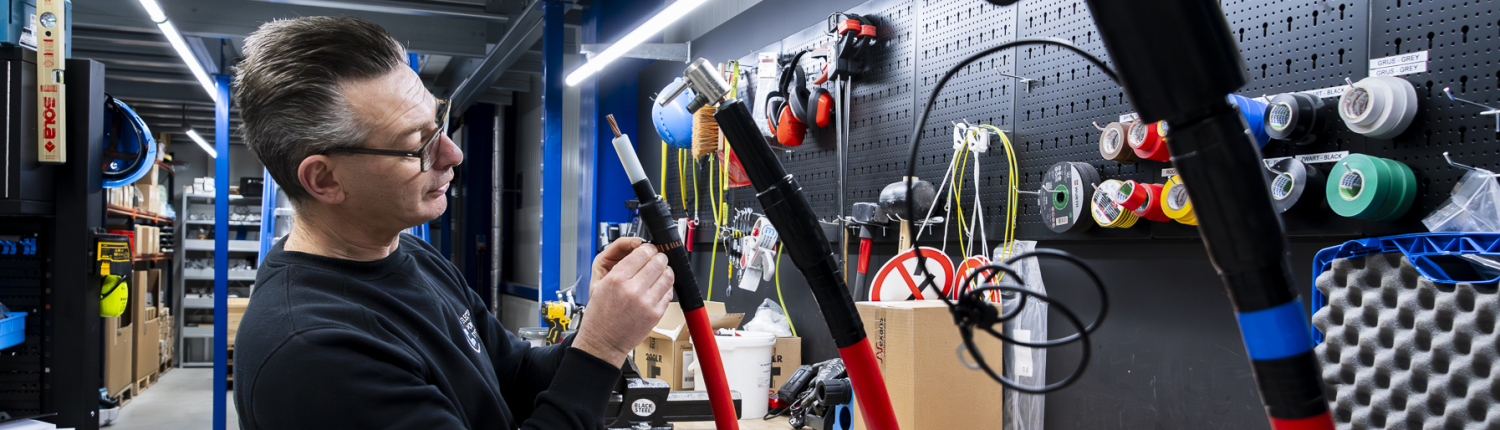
(178, 44)
(193, 134)
(671, 14)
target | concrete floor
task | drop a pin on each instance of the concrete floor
(181, 399)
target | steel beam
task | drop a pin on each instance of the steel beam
(404, 8)
(522, 33)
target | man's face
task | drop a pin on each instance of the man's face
(394, 191)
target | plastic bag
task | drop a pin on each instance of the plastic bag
(1473, 206)
(769, 318)
(1024, 365)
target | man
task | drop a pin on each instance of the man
(357, 326)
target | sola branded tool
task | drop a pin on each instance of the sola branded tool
(658, 219)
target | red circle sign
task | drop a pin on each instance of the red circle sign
(895, 285)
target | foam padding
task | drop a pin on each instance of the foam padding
(1403, 352)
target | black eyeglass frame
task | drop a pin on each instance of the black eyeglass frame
(422, 153)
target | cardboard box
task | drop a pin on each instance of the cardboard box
(914, 343)
(786, 356)
(236, 312)
(668, 349)
(145, 296)
(118, 354)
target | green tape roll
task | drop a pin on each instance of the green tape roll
(1359, 185)
(1403, 194)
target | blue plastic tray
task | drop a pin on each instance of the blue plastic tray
(12, 329)
(1416, 247)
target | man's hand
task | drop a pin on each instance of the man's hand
(629, 291)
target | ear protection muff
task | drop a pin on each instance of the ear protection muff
(819, 108)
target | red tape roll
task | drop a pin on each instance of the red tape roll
(1152, 209)
(1148, 142)
(1323, 421)
(1132, 196)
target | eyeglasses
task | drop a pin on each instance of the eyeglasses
(423, 153)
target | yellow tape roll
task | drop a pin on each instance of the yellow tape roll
(1176, 203)
(1106, 212)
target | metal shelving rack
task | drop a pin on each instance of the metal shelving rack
(189, 245)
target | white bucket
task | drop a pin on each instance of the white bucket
(747, 365)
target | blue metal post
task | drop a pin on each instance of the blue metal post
(552, 196)
(588, 125)
(478, 193)
(221, 248)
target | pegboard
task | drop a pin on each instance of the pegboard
(22, 279)
(1288, 46)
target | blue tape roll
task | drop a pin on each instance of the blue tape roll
(1254, 112)
(1276, 332)
(673, 122)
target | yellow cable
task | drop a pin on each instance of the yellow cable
(681, 180)
(778, 292)
(663, 178)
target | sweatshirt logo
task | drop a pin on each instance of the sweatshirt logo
(470, 333)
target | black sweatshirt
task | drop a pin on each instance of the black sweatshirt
(398, 343)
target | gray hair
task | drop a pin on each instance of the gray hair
(287, 89)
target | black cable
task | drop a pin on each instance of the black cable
(971, 309)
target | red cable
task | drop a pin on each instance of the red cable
(1323, 421)
(869, 386)
(707, 348)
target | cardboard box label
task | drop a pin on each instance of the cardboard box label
(1024, 364)
(688, 382)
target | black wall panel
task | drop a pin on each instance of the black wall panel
(1170, 355)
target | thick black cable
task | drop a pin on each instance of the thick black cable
(972, 310)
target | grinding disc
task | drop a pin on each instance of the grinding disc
(1294, 185)
(1112, 144)
(1358, 186)
(1065, 189)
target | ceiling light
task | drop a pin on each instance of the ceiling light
(178, 44)
(193, 134)
(671, 14)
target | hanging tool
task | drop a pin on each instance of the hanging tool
(788, 208)
(658, 219)
(51, 88)
(894, 202)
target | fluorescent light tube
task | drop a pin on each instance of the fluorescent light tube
(671, 14)
(193, 134)
(178, 44)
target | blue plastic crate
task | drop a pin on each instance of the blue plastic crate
(1416, 247)
(12, 329)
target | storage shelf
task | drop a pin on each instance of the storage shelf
(199, 331)
(208, 275)
(152, 257)
(233, 223)
(136, 214)
(208, 245)
(233, 198)
(197, 303)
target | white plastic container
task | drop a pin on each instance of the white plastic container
(747, 365)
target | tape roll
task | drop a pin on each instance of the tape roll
(1176, 203)
(1289, 180)
(1065, 189)
(1151, 209)
(1112, 145)
(1359, 185)
(1131, 195)
(1105, 211)
(1148, 140)
(1402, 194)
(1296, 117)
(1254, 112)
(1380, 107)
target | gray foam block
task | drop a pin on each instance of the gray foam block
(1402, 352)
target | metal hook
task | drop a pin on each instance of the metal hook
(1460, 165)
(1272, 169)
(1348, 81)
(1487, 110)
(1038, 191)
(1096, 125)
(1026, 81)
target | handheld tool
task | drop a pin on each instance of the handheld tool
(893, 202)
(790, 211)
(658, 219)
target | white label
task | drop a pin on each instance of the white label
(1324, 93)
(766, 67)
(643, 407)
(1404, 69)
(1169, 172)
(1024, 365)
(1062, 220)
(1397, 60)
(687, 377)
(1129, 117)
(1326, 157)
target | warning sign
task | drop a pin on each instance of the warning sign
(898, 280)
